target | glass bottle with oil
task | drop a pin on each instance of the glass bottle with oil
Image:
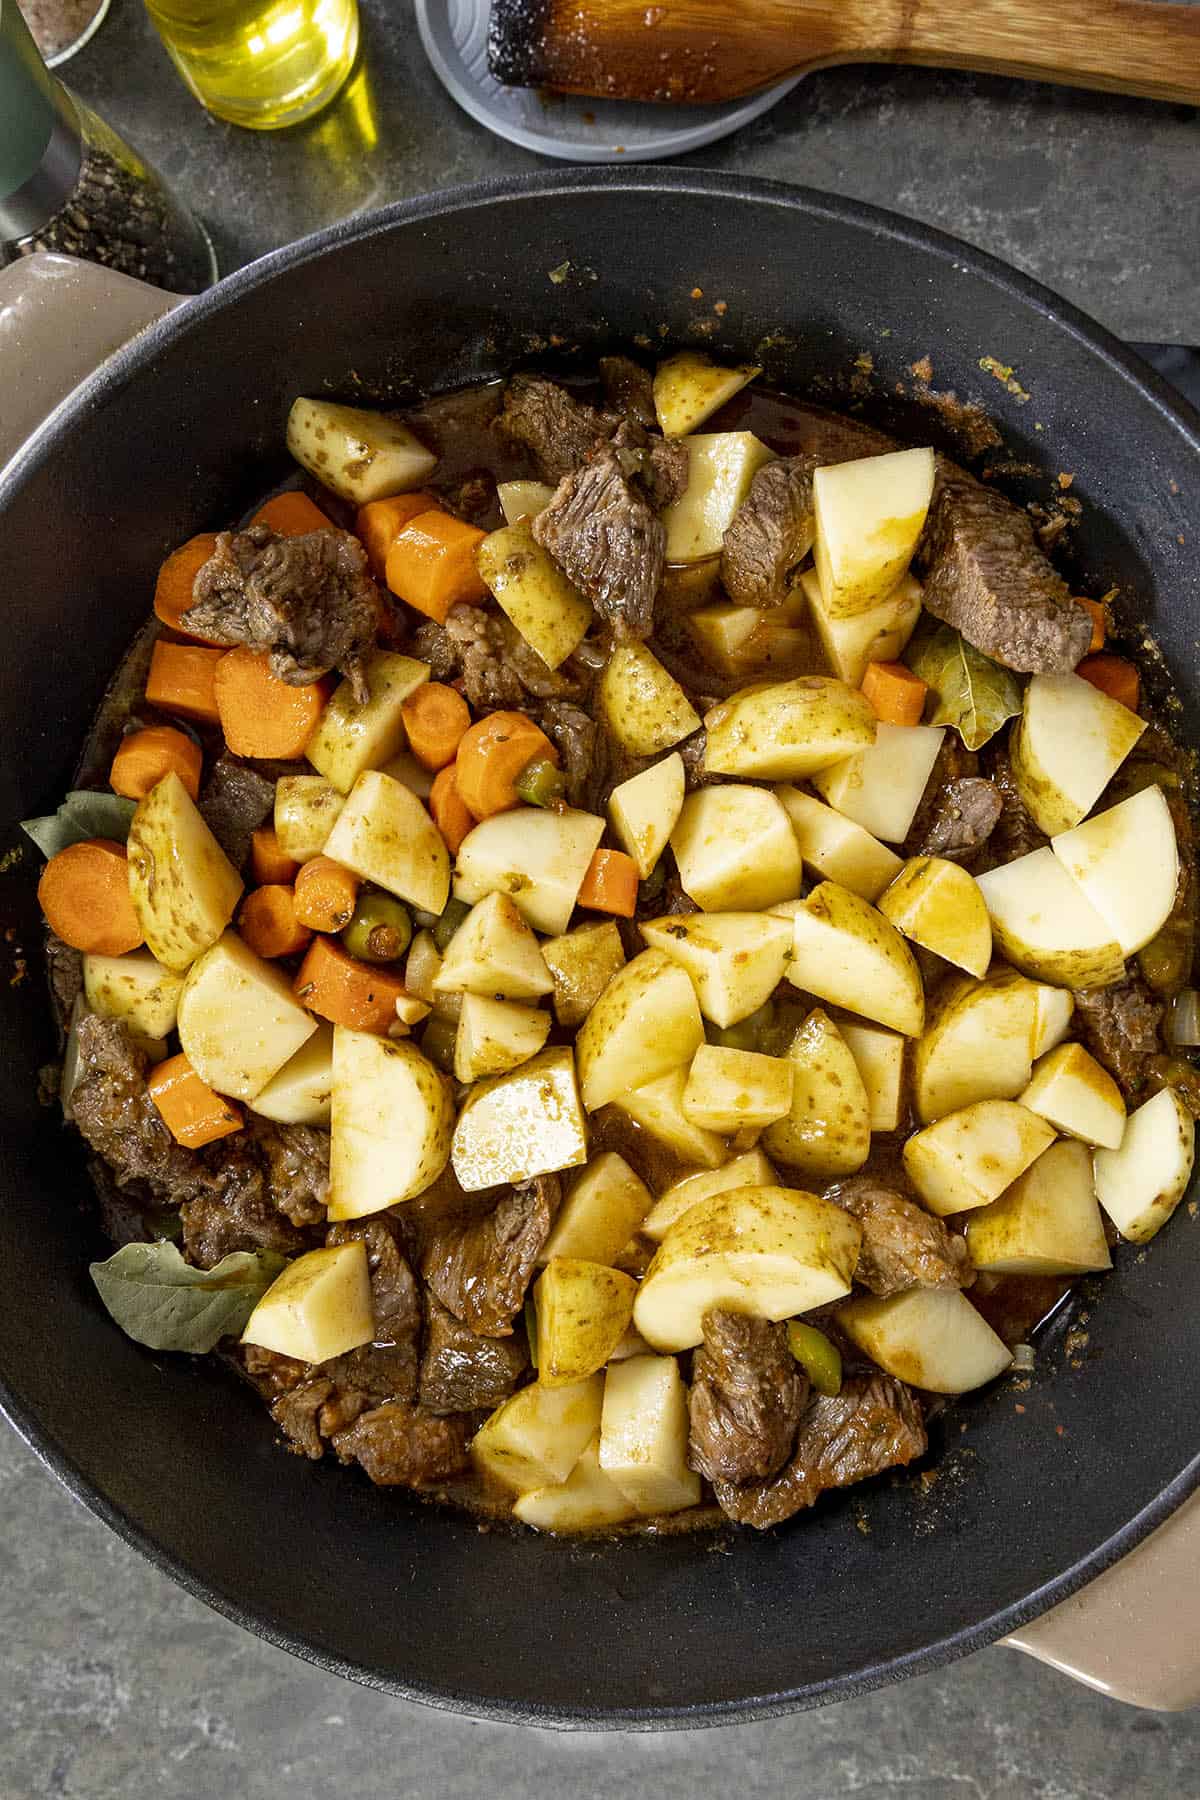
(261, 63)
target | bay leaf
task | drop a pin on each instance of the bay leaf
(84, 813)
(971, 692)
(161, 1301)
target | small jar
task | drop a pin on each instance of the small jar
(61, 27)
(69, 183)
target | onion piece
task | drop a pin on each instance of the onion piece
(1182, 1026)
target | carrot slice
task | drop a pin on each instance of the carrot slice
(192, 1113)
(1114, 676)
(292, 515)
(345, 991)
(260, 714)
(450, 812)
(1099, 622)
(379, 523)
(897, 696)
(181, 680)
(269, 924)
(146, 756)
(84, 893)
(431, 564)
(173, 589)
(270, 867)
(611, 884)
(325, 895)
(490, 757)
(436, 719)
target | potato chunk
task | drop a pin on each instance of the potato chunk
(736, 960)
(1046, 925)
(603, 1208)
(838, 849)
(644, 1435)
(968, 1158)
(535, 1438)
(721, 467)
(539, 858)
(784, 730)
(513, 1127)
(1048, 1222)
(586, 1501)
(1127, 863)
(846, 952)
(1140, 1185)
(494, 952)
(1078, 1096)
(581, 964)
(391, 1122)
(182, 885)
(880, 634)
(736, 1090)
(938, 905)
(583, 1312)
(880, 788)
(350, 738)
(306, 810)
(302, 1092)
(1068, 744)
(658, 1109)
(735, 849)
(134, 988)
(869, 515)
(644, 810)
(494, 1036)
(643, 706)
(931, 1337)
(645, 1023)
(359, 454)
(879, 1058)
(384, 834)
(318, 1308)
(977, 1043)
(523, 499)
(827, 1130)
(239, 1022)
(748, 1170)
(548, 610)
(689, 388)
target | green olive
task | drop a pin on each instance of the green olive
(380, 930)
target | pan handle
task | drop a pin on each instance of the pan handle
(1132, 1633)
(59, 320)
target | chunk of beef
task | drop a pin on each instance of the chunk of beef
(395, 1295)
(120, 1121)
(986, 575)
(772, 531)
(747, 1395)
(962, 819)
(497, 666)
(260, 1190)
(607, 540)
(830, 437)
(462, 1372)
(874, 1424)
(295, 1167)
(903, 1246)
(659, 466)
(629, 389)
(404, 1446)
(1122, 1028)
(234, 801)
(1014, 833)
(583, 747)
(479, 1268)
(298, 1413)
(64, 970)
(307, 599)
(560, 431)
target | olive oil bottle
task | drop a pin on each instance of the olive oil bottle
(261, 63)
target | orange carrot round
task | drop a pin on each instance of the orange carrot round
(325, 895)
(84, 893)
(192, 1113)
(260, 714)
(436, 719)
(897, 696)
(146, 756)
(1114, 676)
(173, 589)
(431, 564)
(268, 863)
(268, 922)
(490, 757)
(181, 680)
(379, 523)
(611, 884)
(345, 991)
(450, 812)
(292, 515)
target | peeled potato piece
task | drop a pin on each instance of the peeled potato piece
(391, 1122)
(319, 1307)
(494, 953)
(689, 388)
(535, 1438)
(869, 515)
(1048, 1222)
(134, 988)
(385, 835)
(1127, 863)
(359, 454)
(1045, 924)
(968, 1158)
(736, 960)
(659, 1109)
(827, 1129)
(588, 1500)
(1140, 1185)
(603, 1208)
(238, 1020)
(645, 1023)
(932, 1338)
(879, 1058)
(1078, 1096)
(644, 810)
(513, 1127)
(939, 906)
(1068, 744)
(302, 1092)
(644, 1435)
(977, 1043)
(583, 1312)
(846, 952)
(748, 1170)
(736, 1090)
(735, 849)
(837, 848)
(880, 788)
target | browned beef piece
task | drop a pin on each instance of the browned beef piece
(1121, 1026)
(307, 599)
(479, 1268)
(295, 1167)
(582, 747)
(560, 431)
(605, 537)
(404, 1446)
(298, 1415)
(831, 437)
(463, 1372)
(234, 801)
(659, 466)
(963, 818)
(260, 1189)
(748, 1393)
(120, 1121)
(1014, 833)
(986, 575)
(395, 1295)
(874, 1424)
(629, 389)
(903, 1246)
(772, 531)
(497, 666)
(64, 969)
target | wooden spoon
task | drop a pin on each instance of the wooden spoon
(704, 51)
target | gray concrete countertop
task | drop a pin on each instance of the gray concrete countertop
(117, 1685)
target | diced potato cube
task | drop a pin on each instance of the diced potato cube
(539, 858)
(535, 1438)
(495, 1036)
(359, 454)
(735, 849)
(1068, 744)
(1140, 1185)
(748, 1170)
(391, 1124)
(548, 610)
(644, 1435)
(869, 515)
(977, 1043)
(658, 1109)
(643, 706)
(494, 952)
(645, 1023)
(582, 963)
(1053, 1011)
(405, 768)
(879, 1058)
(586, 1501)
(306, 811)
(238, 1020)
(784, 730)
(1127, 862)
(182, 885)
(384, 834)
(736, 1090)
(736, 960)
(1045, 924)
(134, 988)
(968, 1158)
(721, 467)
(1047, 1223)
(931, 1337)
(523, 499)
(723, 634)
(881, 788)
(689, 388)
(827, 1130)
(302, 1092)
(644, 811)
(604, 1207)
(1078, 1096)
(846, 952)
(350, 738)
(318, 1308)
(838, 849)
(939, 906)
(880, 634)
(513, 1127)
(583, 1312)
